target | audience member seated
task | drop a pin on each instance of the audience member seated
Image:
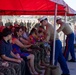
(17, 45)
(7, 54)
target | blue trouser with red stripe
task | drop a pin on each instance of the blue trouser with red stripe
(59, 57)
(69, 46)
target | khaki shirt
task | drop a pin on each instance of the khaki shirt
(65, 28)
(50, 32)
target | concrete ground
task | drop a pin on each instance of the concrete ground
(72, 68)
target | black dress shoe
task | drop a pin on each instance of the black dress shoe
(65, 74)
(71, 60)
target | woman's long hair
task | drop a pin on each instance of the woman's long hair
(16, 30)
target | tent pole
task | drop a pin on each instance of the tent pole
(54, 34)
(65, 19)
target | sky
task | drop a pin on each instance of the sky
(71, 3)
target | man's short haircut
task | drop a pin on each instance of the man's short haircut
(58, 18)
(6, 32)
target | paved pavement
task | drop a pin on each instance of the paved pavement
(72, 68)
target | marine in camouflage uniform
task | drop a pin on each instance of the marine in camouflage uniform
(16, 67)
(13, 68)
(1, 73)
(6, 70)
